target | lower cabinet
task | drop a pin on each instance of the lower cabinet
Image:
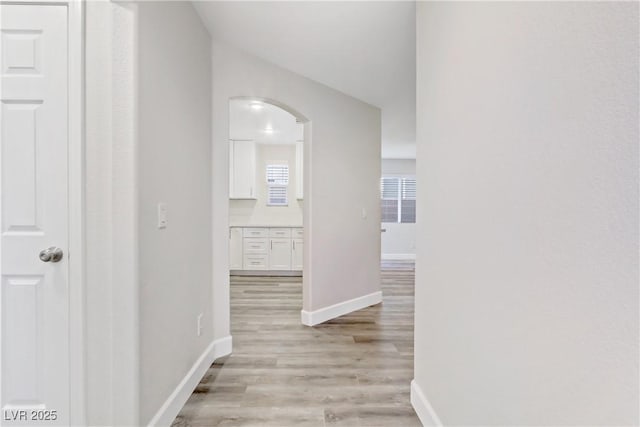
(266, 248)
(296, 254)
(280, 254)
(255, 262)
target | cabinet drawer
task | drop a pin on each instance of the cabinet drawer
(280, 232)
(297, 233)
(255, 232)
(256, 262)
(255, 246)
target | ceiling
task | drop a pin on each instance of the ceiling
(365, 49)
(263, 123)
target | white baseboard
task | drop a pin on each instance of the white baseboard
(311, 318)
(398, 257)
(174, 403)
(423, 408)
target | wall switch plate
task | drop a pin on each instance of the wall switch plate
(199, 330)
(162, 215)
(364, 213)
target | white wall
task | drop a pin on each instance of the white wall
(341, 167)
(398, 166)
(174, 152)
(256, 212)
(111, 365)
(398, 241)
(527, 262)
(148, 120)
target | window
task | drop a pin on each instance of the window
(389, 189)
(277, 185)
(398, 199)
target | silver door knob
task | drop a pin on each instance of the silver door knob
(51, 254)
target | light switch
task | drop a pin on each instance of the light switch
(364, 213)
(162, 215)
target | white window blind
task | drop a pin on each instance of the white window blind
(278, 174)
(408, 189)
(408, 202)
(277, 185)
(389, 191)
(398, 199)
(389, 188)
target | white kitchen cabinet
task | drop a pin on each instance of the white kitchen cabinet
(235, 248)
(266, 248)
(256, 262)
(242, 169)
(255, 232)
(280, 232)
(299, 170)
(297, 249)
(280, 254)
(254, 245)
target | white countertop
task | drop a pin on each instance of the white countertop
(264, 226)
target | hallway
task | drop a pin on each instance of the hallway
(354, 370)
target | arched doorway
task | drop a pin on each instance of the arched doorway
(268, 191)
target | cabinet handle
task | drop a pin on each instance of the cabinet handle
(294, 245)
(272, 245)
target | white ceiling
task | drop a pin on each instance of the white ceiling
(263, 123)
(363, 48)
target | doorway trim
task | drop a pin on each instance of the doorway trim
(76, 182)
(306, 211)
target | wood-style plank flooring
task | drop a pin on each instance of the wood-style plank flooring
(351, 371)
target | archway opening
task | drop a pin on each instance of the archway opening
(268, 192)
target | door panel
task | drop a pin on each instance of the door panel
(34, 214)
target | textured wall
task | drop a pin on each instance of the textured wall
(174, 167)
(527, 262)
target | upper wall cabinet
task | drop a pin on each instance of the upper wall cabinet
(299, 170)
(242, 169)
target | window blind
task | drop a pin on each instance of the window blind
(389, 188)
(277, 185)
(278, 174)
(398, 199)
(408, 189)
(277, 195)
(389, 191)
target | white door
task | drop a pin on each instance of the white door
(34, 318)
(280, 254)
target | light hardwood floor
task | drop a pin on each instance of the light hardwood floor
(351, 371)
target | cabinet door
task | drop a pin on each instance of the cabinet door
(242, 170)
(296, 256)
(280, 254)
(235, 248)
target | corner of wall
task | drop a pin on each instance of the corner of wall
(423, 408)
(176, 400)
(315, 317)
